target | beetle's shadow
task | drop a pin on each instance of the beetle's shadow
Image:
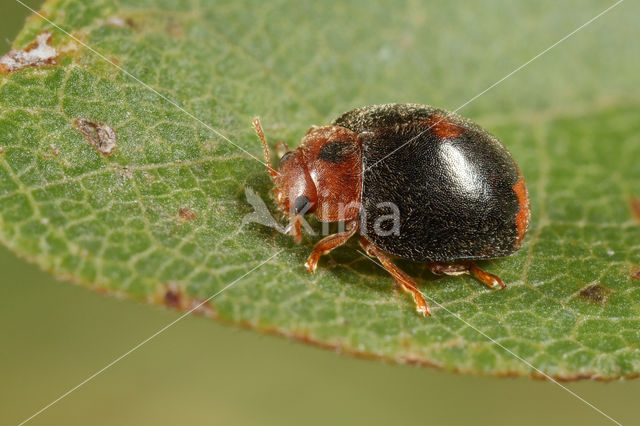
(353, 256)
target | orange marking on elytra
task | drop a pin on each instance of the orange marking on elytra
(443, 127)
(522, 217)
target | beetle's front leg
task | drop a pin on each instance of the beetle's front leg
(295, 229)
(328, 243)
(467, 267)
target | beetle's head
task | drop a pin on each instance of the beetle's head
(294, 189)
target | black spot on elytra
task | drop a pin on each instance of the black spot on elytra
(596, 293)
(334, 152)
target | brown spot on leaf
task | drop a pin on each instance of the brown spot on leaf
(635, 273)
(172, 295)
(596, 293)
(55, 151)
(37, 54)
(102, 137)
(634, 203)
(1, 149)
(186, 214)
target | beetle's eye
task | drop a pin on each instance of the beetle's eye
(301, 205)
(285, 155)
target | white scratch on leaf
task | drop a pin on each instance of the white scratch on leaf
(116, 21)
(37, 54)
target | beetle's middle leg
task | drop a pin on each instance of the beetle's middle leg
(328, 243)
(467, 267)
(407, 283)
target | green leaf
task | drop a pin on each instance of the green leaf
(159, 218)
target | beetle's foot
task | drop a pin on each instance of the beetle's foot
(312, 262)
(421, 305)
(295, 229)
(470, 268)
(491, 280)
(405, 281)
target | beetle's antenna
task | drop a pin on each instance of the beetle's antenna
(267, 155)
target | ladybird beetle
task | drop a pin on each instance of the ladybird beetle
(454, 192)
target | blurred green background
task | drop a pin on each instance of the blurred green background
(200, 371)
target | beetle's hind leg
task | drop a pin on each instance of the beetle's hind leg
(467, 267)
(407, 283)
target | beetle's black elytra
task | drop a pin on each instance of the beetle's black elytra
(455, 197)
(456, 192)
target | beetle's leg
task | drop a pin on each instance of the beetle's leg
(328, 243)
(470, 268)
(407, 283)
(295, 228)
